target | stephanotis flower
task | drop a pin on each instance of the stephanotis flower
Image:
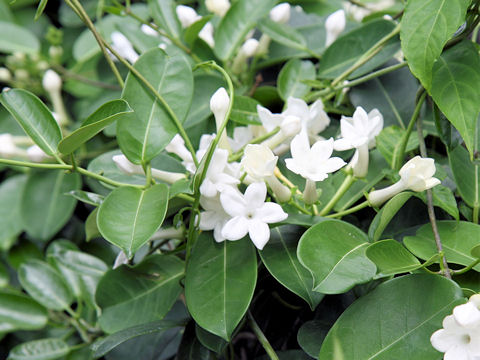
(359, 132)
(250, 214)
(217, 179)
(187, 15)
(218, 7)
(334, 25)
(214, 217)
(416, 174)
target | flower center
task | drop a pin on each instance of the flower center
(249, 216)
(465, 339)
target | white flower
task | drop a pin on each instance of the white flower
(250, 214)
(177, 147)
(269, 121)
(217, 179)
(123, 46)
(36, 154)
(314, 118)
(313, 163)
(334, 25)
(206, 34)
(467, 315)
(51, 81)
(242, 135)
(280, 13)
(218, 7)
(416, 174)
(186, 15)
(8, 148)
(214, 217)
(290, 126)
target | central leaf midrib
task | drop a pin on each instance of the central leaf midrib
(134, 225)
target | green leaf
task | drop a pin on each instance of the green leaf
(475, 252)
(244, 111)
(310, 336)
(210, 341)
(191, 348)
(466, 174)
(144, 137)
(105, 115)
(131, 296)
(238, 21)
(45, 208)
(129, 216)
(163, 12)
(443, 198)
(10, 198)
(386, 214)
(334, 252)
(279, 257)
(347, 49)
(91, 228)
(396, 319)
(219, 283)
(388, 142)
(458, 239)
(81, 263)
(391, 258)
(87, 197)
(40, 8)
(291, 76)
(15, 38)
(44, 349)
(44, 284)
(425, 28)
(4, 276)
(19, 312)
(191, 33)
(456, 89)
(34, 117)
(283, 34)
(105, 345)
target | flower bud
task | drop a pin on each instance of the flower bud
(249, 47)
(280, 13)
(218, 7)
(123, 46)
(291, 125)
(334, 25)
(8, 148)
(51, 81)
(5, 75)
(36, 154)
(186, 15)
(219, 103)
(126, 166)
(147, 30)
(206, 34)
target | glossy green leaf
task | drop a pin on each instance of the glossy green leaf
(17, 38)
(10, 198)
(456, 89)
(425, 28)
(163, 12)
(334, 252)
(81, 263)
(347, 49)
(391, 258)
(396, 319)
(145, 136)
(239, 20)
(279, 257)
(43, 349)
(129, 216)
(466, 175)
(19, 312)
(443, 198)
(91, 228)
(45, 208)
(34, 117)
(131, 296)
(475, 252)
(244, 111)
(191, 348)
(105, 115)
(389, 143)
(283, 34)
(87, 197)
(458, 239)
(310, 336)
(291, 77)
(45, 285)
(210, 341)
(386, 214)
(105, 345)
(219, 283)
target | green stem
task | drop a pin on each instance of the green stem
(465, 269)
(257, 140)
(34, 165)
(349, 211)
(261, 338)
(148, 174)
(349, 180)
(294, 204)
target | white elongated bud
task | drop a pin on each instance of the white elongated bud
(147, 30)
(167, 176)
(249, 47)
(132, 169)
(206, 34)
(360, 160)
(186, 15)
(218, 7)
(310, 195)
(334, 25)
(280, 13)
(36, 154)
(123, 46)
(51, 81)
(5, 75)
(219, 103)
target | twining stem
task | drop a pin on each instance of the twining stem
(350, 211)
(399, 156)
(466, 269)
(72, 75)
(347, 183)
(431, 212)
(261, 338)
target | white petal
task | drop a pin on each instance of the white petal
(347, 128)
(269, 121)
(233, 202)
(217, 232)
(333, 164)
(259, 233)
(300, 145)
(297, 107)
(255, 195)
(457, 353)
(342, 144)
(322, 150)
(208, 188)
(442, 340)
(208, 220)
(235, 228)
(270, 213)
(466, 314)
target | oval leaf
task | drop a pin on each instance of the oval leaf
(397, 317)
(145, 136)
(34, 117)
(10, 199)
(105, 115)
(163, 12)
(132, 296)
(466, 174)
(279, 256)
(81, 263)
(44, 349)
(19, 312)
(44, 284)
(129, 216)
(219, 283)
(17, 38)
(283, 34)
(291, 77)
(334, 252)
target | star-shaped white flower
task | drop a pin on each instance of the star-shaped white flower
(214, 217)
(250, 214)
(314, 118)
(217, 178)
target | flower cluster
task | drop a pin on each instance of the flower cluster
(460, 337)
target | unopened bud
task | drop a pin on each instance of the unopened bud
(218, 7)
(147, 30)
(291, 126)
(206, 34)
(186, 15)
(5, 75)
(334, 25)
(249, 47)
(280, 13)
(219, 103)
(51, 81)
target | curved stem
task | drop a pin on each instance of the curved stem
(261, 337)
(349, 180)
(349, 211)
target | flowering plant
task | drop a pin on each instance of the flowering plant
(240, 180)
